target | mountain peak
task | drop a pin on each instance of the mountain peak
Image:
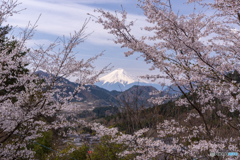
(120, 76)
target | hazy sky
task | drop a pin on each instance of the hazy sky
(61, 17)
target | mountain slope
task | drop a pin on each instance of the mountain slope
(137, 95)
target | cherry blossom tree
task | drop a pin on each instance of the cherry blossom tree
(198, 53)
(23, 118)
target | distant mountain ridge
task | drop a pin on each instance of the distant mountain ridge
(138, 95)
(97, 95)
(120, 80)
(100, 96)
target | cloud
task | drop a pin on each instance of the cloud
(88, 1)
(62, 19)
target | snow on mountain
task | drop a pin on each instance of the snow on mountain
(120, 80)
(120, 76)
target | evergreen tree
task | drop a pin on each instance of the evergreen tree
(7, 44)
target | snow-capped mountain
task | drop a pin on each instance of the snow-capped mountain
(120, 76)
(120, 80)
